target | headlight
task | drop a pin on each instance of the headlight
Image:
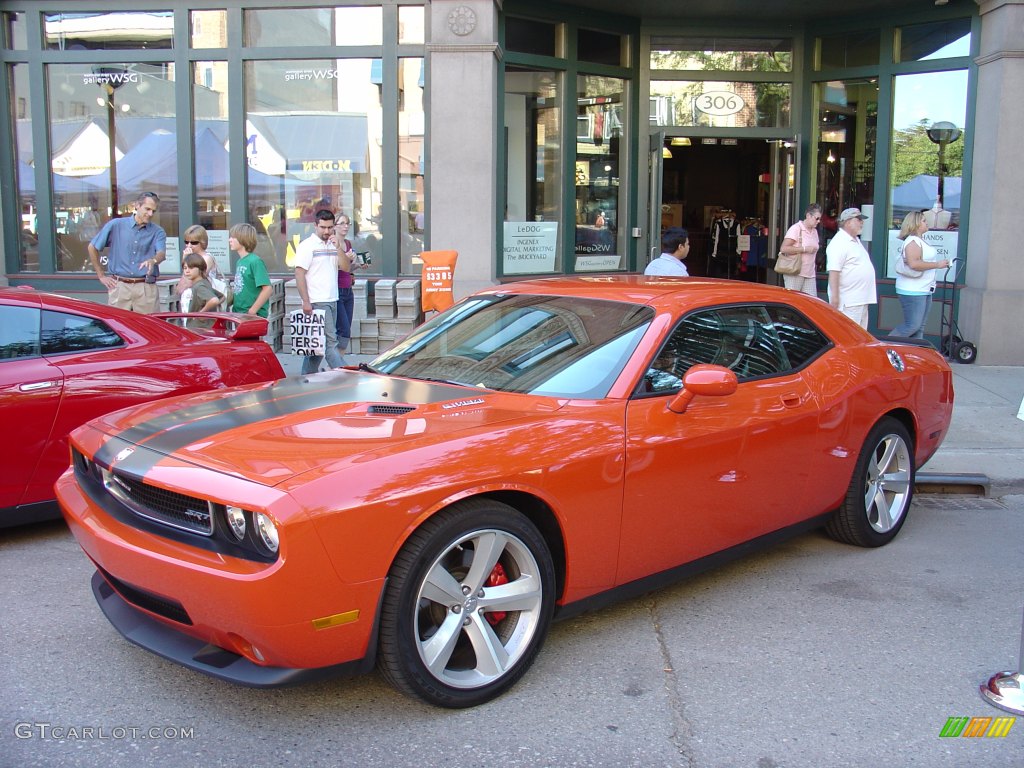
(236, 521)
(267, 531)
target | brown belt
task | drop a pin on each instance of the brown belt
(128, 279)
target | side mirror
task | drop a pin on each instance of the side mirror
(704, 380)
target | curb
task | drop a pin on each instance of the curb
(972, 483)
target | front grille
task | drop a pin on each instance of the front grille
(161, 606)
(175, 509)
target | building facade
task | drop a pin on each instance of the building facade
(533, 138)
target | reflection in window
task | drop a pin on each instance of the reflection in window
(410, 24)
(291, 27)
(722, 54)
(24, 170)
(314, 141)
(927, 158)
(115, 30)
(63, 333)
(600, 125)
(533, 153)
(213, 194)
(713, 104)
(846, 135)
(14, 30)
(209, 29)
(939, 40)
(19, 332)
(852, 49)
(116, 138)
(530, 36)
(411, 163)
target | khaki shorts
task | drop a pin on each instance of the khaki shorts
(137, 297)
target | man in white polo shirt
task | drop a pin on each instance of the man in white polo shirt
(675, 246)
(851, 276)
(316, 277)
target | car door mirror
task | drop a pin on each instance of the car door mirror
(704, 380)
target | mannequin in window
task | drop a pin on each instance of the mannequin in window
(724, 234)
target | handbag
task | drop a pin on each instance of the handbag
(902, 268)
(790, 263)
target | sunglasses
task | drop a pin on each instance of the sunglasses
(194, 242)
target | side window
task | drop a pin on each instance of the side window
(801, 340)
(742, 339)
(19, 332)
(64, 333)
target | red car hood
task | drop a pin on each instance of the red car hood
(274, 432)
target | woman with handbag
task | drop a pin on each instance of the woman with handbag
(802, 240)
(915, 276)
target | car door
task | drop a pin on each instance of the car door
(730, 468)
(98, 377)
(30, 393)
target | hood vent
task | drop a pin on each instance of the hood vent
(390, 410)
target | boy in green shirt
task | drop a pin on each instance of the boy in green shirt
(252, 283)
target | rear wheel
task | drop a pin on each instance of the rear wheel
(880, 491)
(467, 606)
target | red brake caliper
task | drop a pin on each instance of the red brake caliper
(497, 578)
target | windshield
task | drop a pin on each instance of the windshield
(545, 345)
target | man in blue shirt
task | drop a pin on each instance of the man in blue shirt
(137, 247)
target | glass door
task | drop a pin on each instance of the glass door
(656, 168)
(783, 209)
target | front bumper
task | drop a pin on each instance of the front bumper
(255, 624)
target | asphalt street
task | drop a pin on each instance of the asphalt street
(809, 654)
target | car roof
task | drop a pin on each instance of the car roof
(644, 289)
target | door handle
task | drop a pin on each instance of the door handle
(38, 385)
(791, 401)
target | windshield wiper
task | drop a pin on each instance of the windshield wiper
(447, 381)
(369, 369)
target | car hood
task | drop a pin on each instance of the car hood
(274, 432)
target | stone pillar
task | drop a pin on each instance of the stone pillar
(463, 97)
(991, 301)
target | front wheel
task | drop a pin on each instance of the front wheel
(880, 491)
(467, 606)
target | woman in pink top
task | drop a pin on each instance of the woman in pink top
(802, 238)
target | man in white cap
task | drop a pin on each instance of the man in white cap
(851, 276)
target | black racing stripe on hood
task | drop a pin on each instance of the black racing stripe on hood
(170, 432)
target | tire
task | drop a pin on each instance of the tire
(964, 352)
(445, 636)
(880, 491)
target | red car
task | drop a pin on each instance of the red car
(64, 362)
(536, 450)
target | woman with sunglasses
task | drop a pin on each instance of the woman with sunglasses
(196, 239)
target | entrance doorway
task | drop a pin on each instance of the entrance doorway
(734, 196)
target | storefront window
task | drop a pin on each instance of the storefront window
(209, 29)
(927, 42)
(296, 27)
(846, 136)
(928, 140)
(314, 141)
(712, 104)
(213, 195)
(602, 48)
(411, 164)
(14, 30)
(25, 171)
(851, 49)
(722, 55)
(112, 135)
(540, 38)
(533, 149)
(410, 24)
(110, 31)
(600, 208)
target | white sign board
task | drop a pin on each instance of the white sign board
(603, 263)
(944, 242)
(530, 246)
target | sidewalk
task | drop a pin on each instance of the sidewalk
(985, 437)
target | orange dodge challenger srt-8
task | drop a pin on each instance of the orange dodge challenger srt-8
(538, 449)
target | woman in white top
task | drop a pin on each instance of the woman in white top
(915, 293)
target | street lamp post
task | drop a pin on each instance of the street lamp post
(941, 133)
